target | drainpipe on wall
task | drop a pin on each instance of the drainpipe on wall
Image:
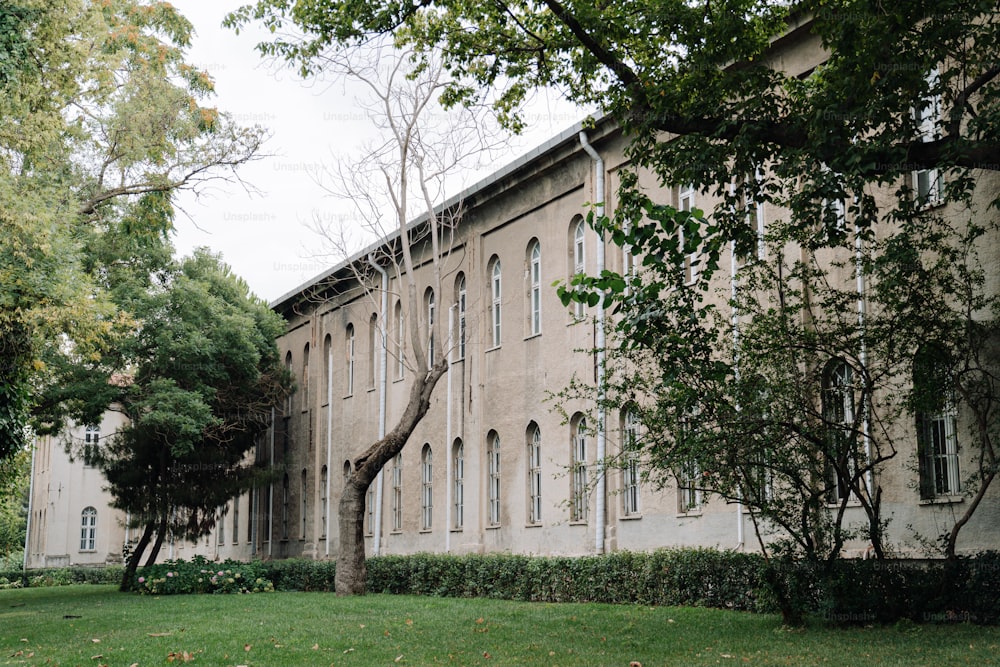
(329, 445)
(447, 438)
(383, 358)
(27, 526)
(733, 288)
(599, 344)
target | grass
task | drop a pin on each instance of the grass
(96, 625)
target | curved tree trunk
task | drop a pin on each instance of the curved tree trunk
(133, 559)
(161, 533)
(351, 571)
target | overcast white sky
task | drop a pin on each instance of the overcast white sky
(264, 236)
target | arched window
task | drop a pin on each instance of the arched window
(838, 413)
(236, 519)
(579, 254)
(284, 507)
(288, 369)
(324, 480)
(88, 529)
(431, 306)
(400, 338)
(493, 484)
(349, 351)
(460, 298)
(685, 202)
(305, 377)
(397, 493)
(937, 435)
(220, 526)
(327, 367)
(534, 474)
(458, 454)
(535, 289)
(496, 296)
(578, 504)
(427, 487)
(303, 504)
(630, 462)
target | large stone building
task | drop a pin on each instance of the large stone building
(497, 465)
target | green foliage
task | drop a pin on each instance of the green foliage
(14, 484)
(202, 576)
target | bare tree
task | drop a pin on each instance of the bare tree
(421, 148)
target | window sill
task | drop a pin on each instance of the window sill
(347, 396)
(631, 517)
(943, 500)
(696, 512)
(493, 526)
(426, 531)
(494, 348)
(537, 524)
(578, 523)
(399, 379)
(458, 361)
(533, 336)
(456, 530)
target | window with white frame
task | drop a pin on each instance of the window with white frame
(496, 296)
(579, 262)
(288, 369)
(373, 348)
(88, 529)
(370, 510)
(838, 413)
(236, 519)
(400, 339)
(535, 289)
(937, 436)
(349, 351)
(327, 368)
(427, 487)
(534, 474)
(397, 493)
(927, 185)
(630, 463)
(578, 504)
(685, 202)
(459, 485)
(220, 532)
(461, 298)
(91, 442)
(305, 378)
(285, 499)
(689, 495)
(431, 313)
(303, 505)
(493, 484)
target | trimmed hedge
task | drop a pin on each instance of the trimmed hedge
(62, 576)
(845, 592)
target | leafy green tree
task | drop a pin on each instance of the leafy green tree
(14, 483)
(101, 120)
(201, 378)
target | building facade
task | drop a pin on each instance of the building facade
(499, 463)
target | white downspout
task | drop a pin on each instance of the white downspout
(329, 446)
(383, 358)
(599, 344)
(447, 438)
(733, 288)
(31, 498)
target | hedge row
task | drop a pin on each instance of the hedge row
(848, 592)
(62, 576)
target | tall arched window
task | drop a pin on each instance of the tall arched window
(288, 369)
(324, 480)
(534, 474)
(535, 289)
(88, 529)
(427, 487)
(460, 299)
(937, 435)
(579, 261)
(458, 454)
(397, 493)
(349, 351)
(327, 367)
(838, 413)
(578, 504)
(630, 461)
(496, 297)
(305, 377)
(285, 492)
(303, 504)
(400, 338)
(431, 306)
(493, 483)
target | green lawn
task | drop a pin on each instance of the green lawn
(95, 625)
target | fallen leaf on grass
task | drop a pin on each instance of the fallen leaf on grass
(96, 657)
(158, 634)
(398, 658)
(409, 621)
(635, 663)
(350, 650)
(183, 656)
(315, 647)
(96, 640)
(247, 647)
(487, 655)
